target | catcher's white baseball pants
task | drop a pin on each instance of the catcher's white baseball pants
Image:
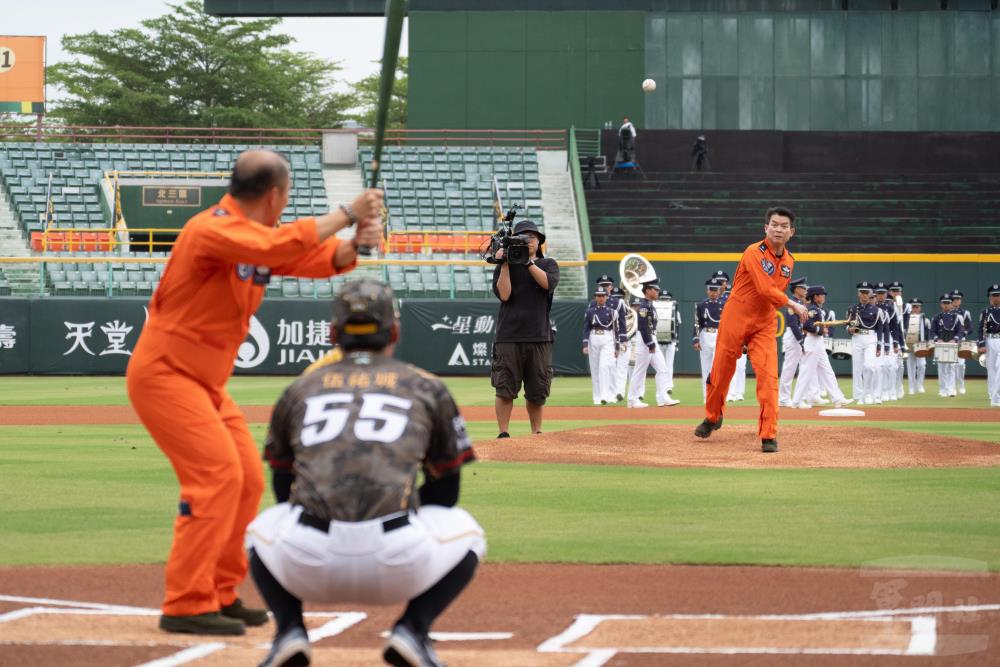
(361, 561)
(793, 355)
(643, 360)
(601, 354)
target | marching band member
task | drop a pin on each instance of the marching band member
(707, 315)
(966, 317)
(791, 346)
(647, 353)
(815, 368)
(947, 327)
(738, 385)
(891, 346)
(896, 290)
(616, 302)
(916, 367)
(867, 329)
(670, 347)
(989, 343)
(600, 347)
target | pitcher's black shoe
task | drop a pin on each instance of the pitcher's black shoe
(769, 445)
(249, 615)
(705, 428)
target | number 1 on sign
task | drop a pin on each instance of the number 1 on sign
(6, 58)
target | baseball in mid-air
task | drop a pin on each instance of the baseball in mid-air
(649, 85)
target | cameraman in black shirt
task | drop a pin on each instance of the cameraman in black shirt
(522, 351)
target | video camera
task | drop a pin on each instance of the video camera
(515, 246)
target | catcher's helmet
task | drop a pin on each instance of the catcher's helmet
(363, 314)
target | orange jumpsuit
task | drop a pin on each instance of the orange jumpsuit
(176, 380)
(749, 319)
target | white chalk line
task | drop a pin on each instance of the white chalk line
(462, 636)
(923, 633)
(187, 655)
(74, 604)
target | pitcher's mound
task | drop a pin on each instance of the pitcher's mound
(737, 446)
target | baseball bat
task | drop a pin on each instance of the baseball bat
(395, 10)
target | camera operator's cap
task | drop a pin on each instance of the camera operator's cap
(363, 307)
(799, 282)
(993, 290)
(526, 226)
(895, 284)
(957, 294)
(945, 298)
(605, 279)
(915, 301)
(865, 286)
(815, 290)
(880, 287)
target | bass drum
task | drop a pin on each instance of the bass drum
(968, 349)
(664, 319)
(923, 349)
(841, 348)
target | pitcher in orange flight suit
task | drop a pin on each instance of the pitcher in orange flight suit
(748, 319)
(176, 378)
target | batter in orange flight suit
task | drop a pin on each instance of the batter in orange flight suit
(176, 378)
(749, 319)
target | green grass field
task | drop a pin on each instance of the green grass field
(105, 494)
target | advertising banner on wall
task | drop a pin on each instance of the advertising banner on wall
(97, 336)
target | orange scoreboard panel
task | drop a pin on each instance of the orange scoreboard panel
(22, 74)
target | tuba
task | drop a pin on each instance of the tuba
(634, 270)
(897, 304)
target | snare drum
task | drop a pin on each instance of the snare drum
(923, 349)
(841, 348)
(968, 349)
(946, 353)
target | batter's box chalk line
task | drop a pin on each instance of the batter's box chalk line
(922, 640)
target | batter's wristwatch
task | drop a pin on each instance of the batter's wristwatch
(349, 212)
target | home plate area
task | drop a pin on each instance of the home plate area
(586, 640)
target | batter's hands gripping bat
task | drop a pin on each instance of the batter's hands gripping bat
(395, 10)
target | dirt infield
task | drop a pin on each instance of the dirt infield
(737, 446)
(541, 615)
(30, 415)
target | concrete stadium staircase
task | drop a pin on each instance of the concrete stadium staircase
(24, 277)
(562, 229)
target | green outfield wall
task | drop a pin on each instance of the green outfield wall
(730, 68)
(90, 336)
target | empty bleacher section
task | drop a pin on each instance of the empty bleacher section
(715, 212)
(77, 171)
(440, 201)
(442, 208)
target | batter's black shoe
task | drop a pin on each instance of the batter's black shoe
(705, 428)
(503, 434)
(249, 615)
(212, 623)
(406, 649)
(290, 649)
(769, 445)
